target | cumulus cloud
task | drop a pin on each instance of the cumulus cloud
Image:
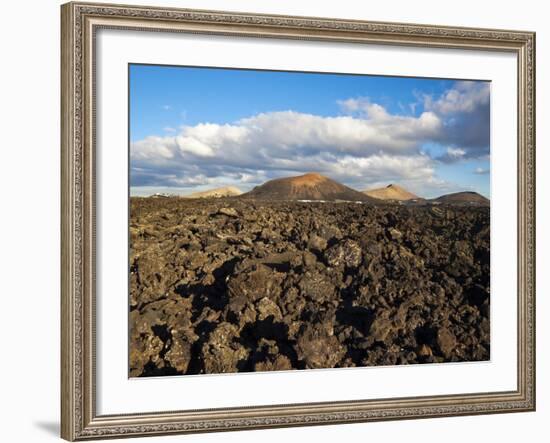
(481, 171)
(153, 148)
(452, 155)
(287, 142)
(462, 113)
(285, 135)
(464, 96)
(465, 112)
(364, 146)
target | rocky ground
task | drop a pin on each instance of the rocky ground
(226, 285)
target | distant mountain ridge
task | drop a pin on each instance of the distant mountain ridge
(316, 187)
(310, 186)
(391, 192)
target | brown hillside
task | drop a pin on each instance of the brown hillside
(463, 198)
(311, 186)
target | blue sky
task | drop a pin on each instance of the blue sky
(194, 129)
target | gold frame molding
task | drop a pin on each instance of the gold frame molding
(79, 22)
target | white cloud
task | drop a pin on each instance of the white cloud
(452, 155)
(288, 130)
(465, 96)
(481, 171)
(459, 118)
(349, 148)
(153, 148)
(465, 112)
(456, 152)
(194, 146)
(384, 167)
(352, 105)
(215, 135)
(367, 145)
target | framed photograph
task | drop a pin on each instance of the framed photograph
(282, 221)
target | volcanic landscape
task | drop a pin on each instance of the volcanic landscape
(306, 273)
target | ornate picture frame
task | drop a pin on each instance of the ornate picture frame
(80, 22)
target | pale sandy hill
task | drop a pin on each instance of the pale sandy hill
(227, 191)
(391, 192)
